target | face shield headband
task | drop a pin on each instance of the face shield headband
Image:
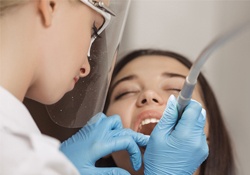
(89, 94)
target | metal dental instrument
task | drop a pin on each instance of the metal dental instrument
(191, 80)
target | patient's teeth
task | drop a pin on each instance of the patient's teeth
(151, 120)
(140, 126)
(146, 121)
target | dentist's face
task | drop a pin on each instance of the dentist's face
(141, 90)
(63, 51)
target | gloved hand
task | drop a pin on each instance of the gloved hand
(182, 150)
(99, 137)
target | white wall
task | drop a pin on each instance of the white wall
(187, 27)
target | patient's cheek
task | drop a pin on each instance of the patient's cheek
(206, 130)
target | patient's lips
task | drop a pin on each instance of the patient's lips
(146, 121)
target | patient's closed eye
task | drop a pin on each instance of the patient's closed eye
(125, 93)
(174, 89)
(173, 85)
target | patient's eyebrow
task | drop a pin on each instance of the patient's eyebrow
(126, 78)
(131, 77)
(170, 75)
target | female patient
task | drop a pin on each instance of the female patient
(141, 85)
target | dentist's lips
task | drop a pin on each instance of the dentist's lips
(146, 121)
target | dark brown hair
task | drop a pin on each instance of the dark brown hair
(220, 160)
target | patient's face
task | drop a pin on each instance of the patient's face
(141, 90)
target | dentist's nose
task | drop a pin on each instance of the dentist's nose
(149, 97)
(85, 69)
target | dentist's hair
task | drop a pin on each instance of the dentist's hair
(220, 160)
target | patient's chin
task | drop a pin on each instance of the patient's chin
(147, 130)
(122, 160)
(142, 149)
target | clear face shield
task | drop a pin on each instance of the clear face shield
(89, 94)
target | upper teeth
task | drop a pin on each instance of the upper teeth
(149, 120)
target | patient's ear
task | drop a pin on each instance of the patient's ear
(46, 9)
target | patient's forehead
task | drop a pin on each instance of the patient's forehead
(149, 63)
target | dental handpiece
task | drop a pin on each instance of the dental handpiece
(185, 94)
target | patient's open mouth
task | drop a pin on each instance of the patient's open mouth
(145, 123)
(147, 126)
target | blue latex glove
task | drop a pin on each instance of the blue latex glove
(101, 136)
(182, 150)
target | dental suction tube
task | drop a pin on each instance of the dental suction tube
(186, 93)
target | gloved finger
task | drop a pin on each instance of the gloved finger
(202, 119)
(202, 123)
(96, 119)
(199, 136)
(111, 171)
(113, 122)
(139, 138)
(127, 143)
(189, 119)
(169, 118)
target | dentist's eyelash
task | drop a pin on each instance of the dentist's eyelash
(95, 32)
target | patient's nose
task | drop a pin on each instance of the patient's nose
(149, 97)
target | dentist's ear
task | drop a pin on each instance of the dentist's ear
(47, 8)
